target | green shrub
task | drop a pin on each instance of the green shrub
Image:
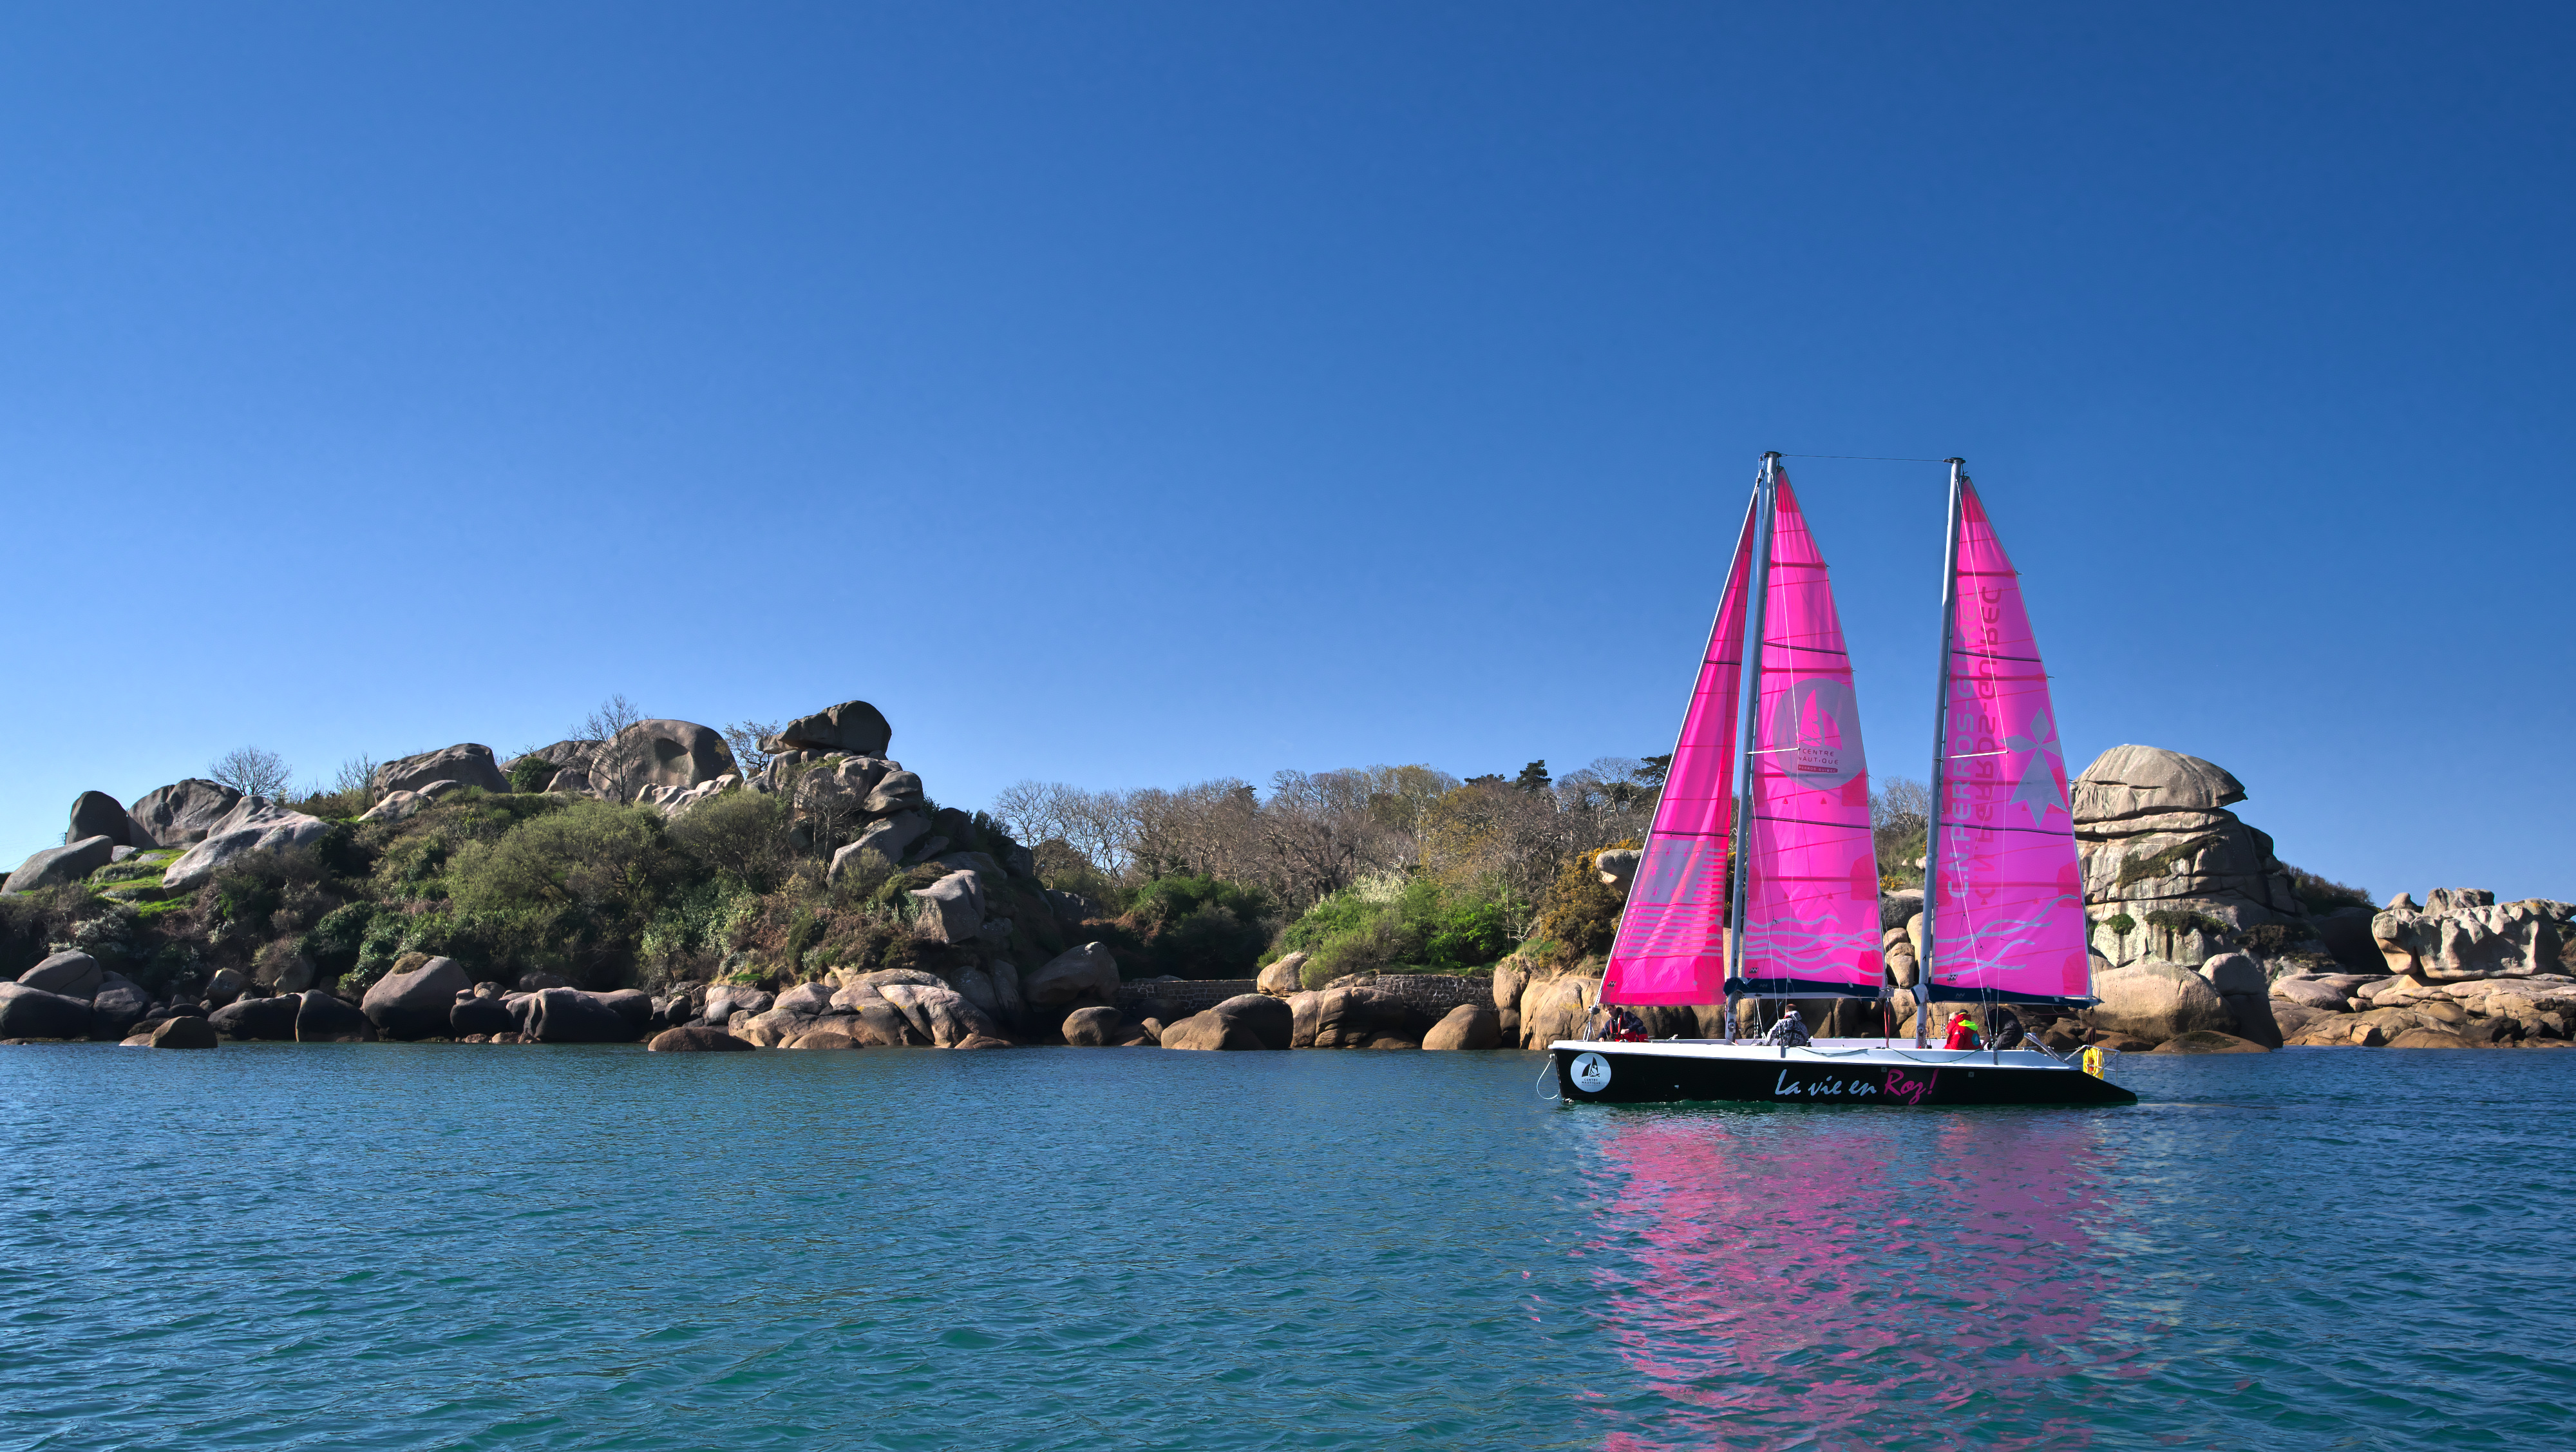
(2162, 864)
(1402, 924)
(740, 834)
(2174, 920)
(1190, 927)
(2322, 895)
(528, 774)
(1581, 912)
(2121, 923)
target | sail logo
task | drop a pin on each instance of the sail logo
(2039, 791)
(1591, 1073)
(1816, 727)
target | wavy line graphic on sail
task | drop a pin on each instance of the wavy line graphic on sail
(1816, 940)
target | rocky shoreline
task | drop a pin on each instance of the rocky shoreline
(2202, 940)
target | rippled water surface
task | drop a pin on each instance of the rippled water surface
(360, 1246)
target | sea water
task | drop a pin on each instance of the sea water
(380, 1246)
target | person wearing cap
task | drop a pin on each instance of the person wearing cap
(1789, 1032)
(1963, 1032)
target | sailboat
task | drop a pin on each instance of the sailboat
(1764, 822)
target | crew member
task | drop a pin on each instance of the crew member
(1963, 1033)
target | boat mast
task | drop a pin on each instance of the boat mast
(1758, 592)
(1940, 759)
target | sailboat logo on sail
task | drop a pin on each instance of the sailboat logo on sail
(1820, 719)
(2039, 791)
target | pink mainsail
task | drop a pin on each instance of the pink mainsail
(2009, 920)
(1811, 903)
(1672, 937)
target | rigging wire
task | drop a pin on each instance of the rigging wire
(1868, 458)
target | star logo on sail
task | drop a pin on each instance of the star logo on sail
(2039, 790)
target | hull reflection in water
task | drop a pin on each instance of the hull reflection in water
(1832, 1286)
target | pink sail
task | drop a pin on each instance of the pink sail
(2009, 920)
(1811, 906)
(1672, 936)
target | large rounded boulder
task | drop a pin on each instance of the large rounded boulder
(416, 1004)
(2158, 1001)
(1084, 973)
(473, 1014)
(270, 1020)
(1269, 1019)
(570, 1016)
(1095, 1027)
(672, 754)
(33, 1013)
(96, 814)
(70, 972)
(852, 727)
(467, 763)
(1468, 1026)
(697, 1039)
(323, 1019)
(180, 814)
(1210, 1030)
(56, 866)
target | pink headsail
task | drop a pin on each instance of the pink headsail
(1672, 936)
(2009, 922)
(1811, 905)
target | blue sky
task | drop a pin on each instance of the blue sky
(1136, 394)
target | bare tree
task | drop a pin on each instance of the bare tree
(251, 771)
(745, 738)
(610, 717)
(1101, 826)
(1899, 801)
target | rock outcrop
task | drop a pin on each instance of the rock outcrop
(57, 866)
(1468, 1026)
(2170, 875)
(70, 972)
(96, 814)
(33, 1013)
(853, 728)
(2464, 933)
(693, 1039)
(416, 1003)
(323, 1019)
(1077, 974)
(1285, 976)
(177, 1033)
(467, 764)
(265, 1019)
(255, 824)
(655, 759)
(2156, 1002)
(180, 814)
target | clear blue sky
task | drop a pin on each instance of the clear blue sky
(1135, 394)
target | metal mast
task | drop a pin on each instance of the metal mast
(1940, 758)
(1758, 591)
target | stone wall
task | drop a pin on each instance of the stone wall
(1169, 1001)
(1438, 992)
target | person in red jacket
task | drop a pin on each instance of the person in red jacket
(1963, 1033)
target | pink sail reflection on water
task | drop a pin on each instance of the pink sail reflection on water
(1855, 1285)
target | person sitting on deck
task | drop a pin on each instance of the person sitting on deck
(2007, 1029)
(1625, 1027)
(1963, 1033)
(1789, 1032)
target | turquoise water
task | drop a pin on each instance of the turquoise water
(374, 1246)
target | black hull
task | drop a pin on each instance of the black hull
(1673, 1073)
